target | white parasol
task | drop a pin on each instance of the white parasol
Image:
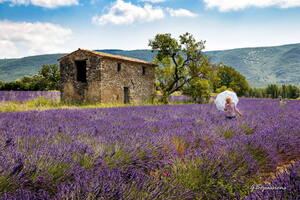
(221, 99)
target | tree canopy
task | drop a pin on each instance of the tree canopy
(231, 78)
(176, 61)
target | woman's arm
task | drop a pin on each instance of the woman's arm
(237, 111)
(226, 107)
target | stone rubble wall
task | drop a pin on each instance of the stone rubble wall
(141, 87)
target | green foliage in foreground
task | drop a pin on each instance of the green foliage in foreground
(205, 178)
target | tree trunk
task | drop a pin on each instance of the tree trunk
(165, 99)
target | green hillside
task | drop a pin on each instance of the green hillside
(261, 65)
(264, 65)
(12, 69)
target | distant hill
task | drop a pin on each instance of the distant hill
(12, 69)
(261, 65)
(146, 55)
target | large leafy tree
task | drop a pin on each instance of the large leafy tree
(204, 80)
(177, 60)
(231, 78)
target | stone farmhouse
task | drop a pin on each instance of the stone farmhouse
(96, 77)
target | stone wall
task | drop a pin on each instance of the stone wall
(74, 91)
(141, 87)
(104, 83)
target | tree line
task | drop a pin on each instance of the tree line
(275, 91)
(47, 79)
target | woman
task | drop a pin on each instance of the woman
(231, 109)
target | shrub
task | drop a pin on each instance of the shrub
(42, 102)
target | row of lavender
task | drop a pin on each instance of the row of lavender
(177, 98)
(151, 152)
(21, 96)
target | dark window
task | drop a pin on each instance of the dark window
(144, 70)
(126, 95)
(119, 67)
(81, 70)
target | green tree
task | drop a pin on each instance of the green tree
(176, 61)
(47, 79)
(284, 91)
(51, 77)
(273, 91)
(293, 91)
(213, 76)
(199, 90)
(222, 89)
(257, 92)
(231, 78)
(204, 80)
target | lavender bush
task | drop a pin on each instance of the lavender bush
(177, 98)
(286, 185)
(21, 96)
(148, 152)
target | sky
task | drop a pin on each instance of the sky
(34, 27)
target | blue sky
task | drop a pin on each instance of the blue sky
(32, 27)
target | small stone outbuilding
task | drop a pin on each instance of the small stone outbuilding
(96, 77)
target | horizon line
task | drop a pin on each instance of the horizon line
(238, 48)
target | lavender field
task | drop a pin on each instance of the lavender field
(177, 98)
(21, 96)
(152, 152)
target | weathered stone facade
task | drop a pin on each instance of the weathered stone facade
(109, 78)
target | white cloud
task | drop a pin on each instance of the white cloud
(43, 3)
(153, 1)
(23, 38)
(8, 49)
(126, 13)
(181, 13)
(227, 5)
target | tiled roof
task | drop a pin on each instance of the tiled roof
(107, 55)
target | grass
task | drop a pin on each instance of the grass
(177, 93)
(41, 104)
(208, 181)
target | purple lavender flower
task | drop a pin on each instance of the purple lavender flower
(149, 152)
(20, 96)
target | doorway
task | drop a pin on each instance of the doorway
(81, 70)
(126, 95)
